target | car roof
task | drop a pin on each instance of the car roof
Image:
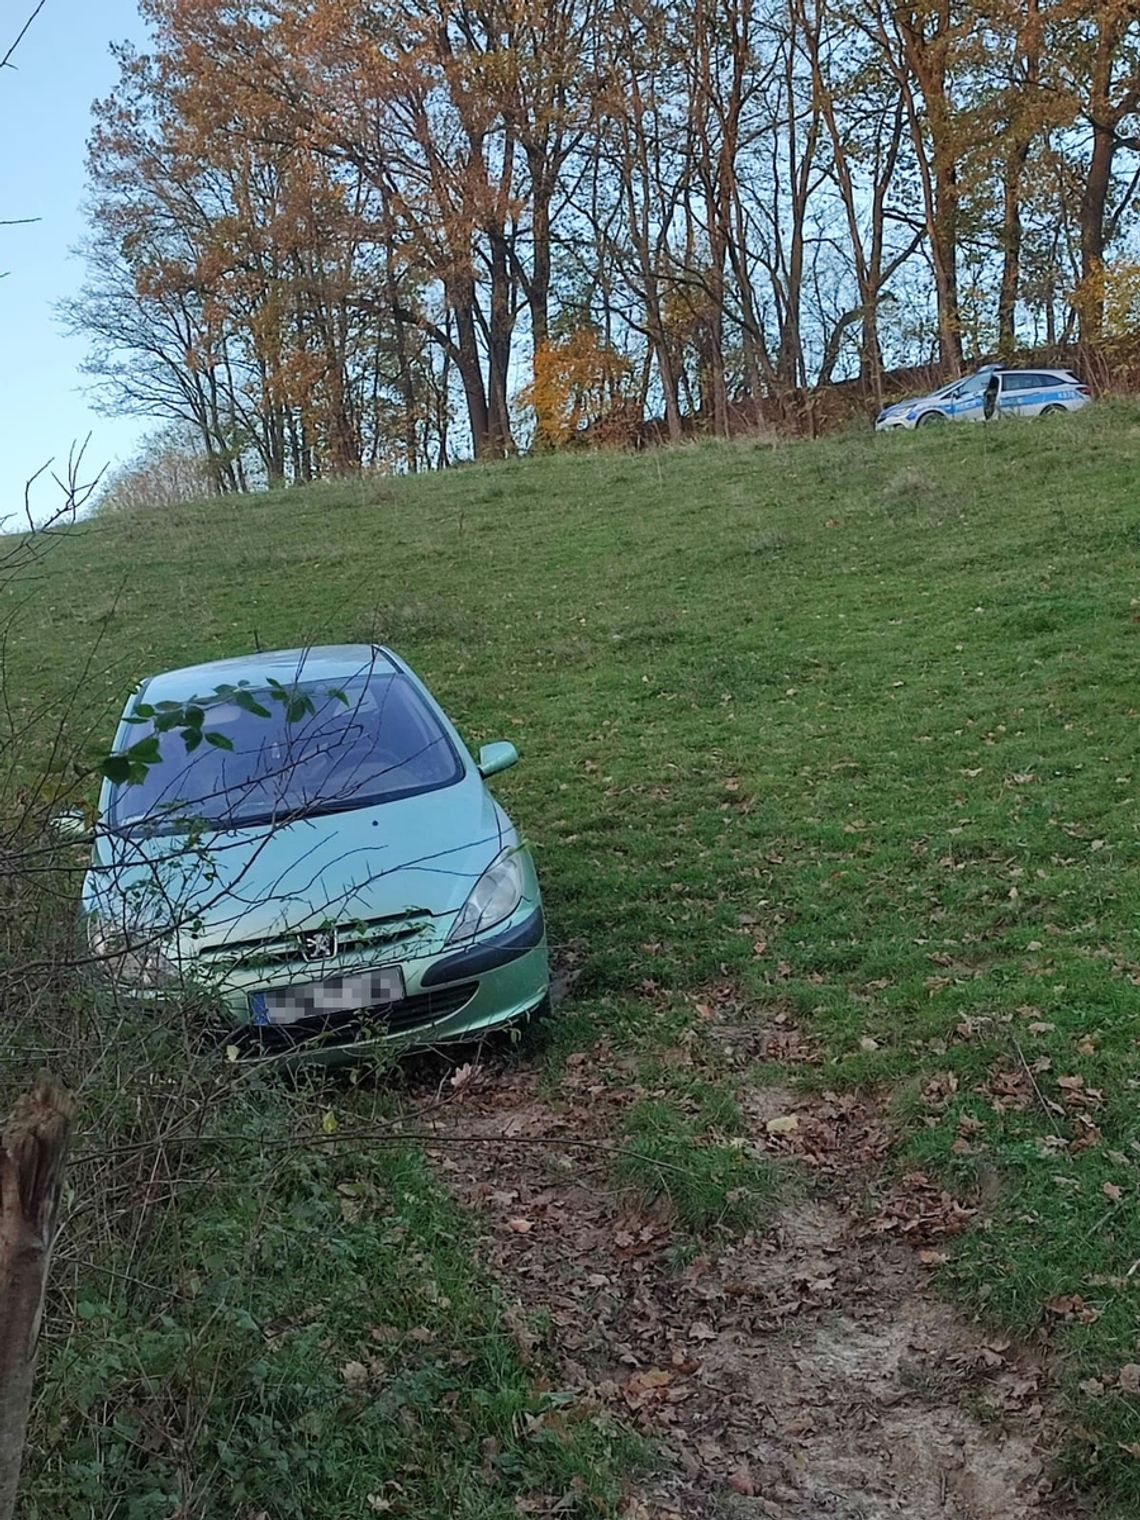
(1028, 369)
(320, 662)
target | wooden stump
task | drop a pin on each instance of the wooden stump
(33, 1149)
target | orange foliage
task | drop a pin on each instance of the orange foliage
(578, 381)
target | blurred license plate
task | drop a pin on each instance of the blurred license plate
(336, 994)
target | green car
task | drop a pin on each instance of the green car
(320, 852)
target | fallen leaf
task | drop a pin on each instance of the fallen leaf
(1110, 1190)
(520, 1226)
(786, 1124)
(464, 1074)
(1072, 1306)
(354, 1373)
(1128, 1378)
(652, 1377)
(646, 1385)
(741, 1482)
(930, 1258)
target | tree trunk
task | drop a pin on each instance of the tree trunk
(403, 357)
(470, 367)
(944, 247)
(32, 1153)
(499, 332)
(1093, 202)
(1011, 250)
(1021, 130)
(538, 292)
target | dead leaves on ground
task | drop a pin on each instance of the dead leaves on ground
(666, 1348)
(921, 1211)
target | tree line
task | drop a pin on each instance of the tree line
(335, 234)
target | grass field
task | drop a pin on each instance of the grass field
(851, 724)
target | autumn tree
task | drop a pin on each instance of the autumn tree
(333, 236)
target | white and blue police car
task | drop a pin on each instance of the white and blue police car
(990, 393)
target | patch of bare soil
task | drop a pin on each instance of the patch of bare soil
(801, 1372)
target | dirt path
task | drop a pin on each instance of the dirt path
(801, 1372)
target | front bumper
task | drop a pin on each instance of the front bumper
(449, 996)
(888, 424)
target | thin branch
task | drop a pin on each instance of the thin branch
(6, 61)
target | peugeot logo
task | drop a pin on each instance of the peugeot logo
(318, 944)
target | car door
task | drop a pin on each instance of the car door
(1014, 394)
(1039, 391)
(968, 403)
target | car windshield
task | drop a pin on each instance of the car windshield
(372, 739)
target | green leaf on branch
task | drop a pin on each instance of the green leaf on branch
(146, 751)
(248, 703)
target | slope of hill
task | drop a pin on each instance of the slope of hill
(842, 732)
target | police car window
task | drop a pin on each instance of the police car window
(1015, 382)
(1035, 382)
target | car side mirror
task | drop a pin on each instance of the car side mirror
(71, 827)
(494, 758)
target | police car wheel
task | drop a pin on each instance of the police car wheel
(928, 417)
(1052, 411)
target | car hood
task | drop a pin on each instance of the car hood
(900, 408)
(416, 854)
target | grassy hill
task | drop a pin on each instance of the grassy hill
(851, 726)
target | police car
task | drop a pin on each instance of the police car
(992, 392)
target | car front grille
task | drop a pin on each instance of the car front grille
(377, 935)
(419, 1011)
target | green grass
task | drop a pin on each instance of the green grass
(682, 1162)
(852, 724)
(306, 1332)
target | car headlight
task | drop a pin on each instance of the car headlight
(132, 956)
(494, 897)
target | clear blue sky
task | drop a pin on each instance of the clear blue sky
(62, 65)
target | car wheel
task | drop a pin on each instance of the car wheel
(928, 417)
(1053, 410)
